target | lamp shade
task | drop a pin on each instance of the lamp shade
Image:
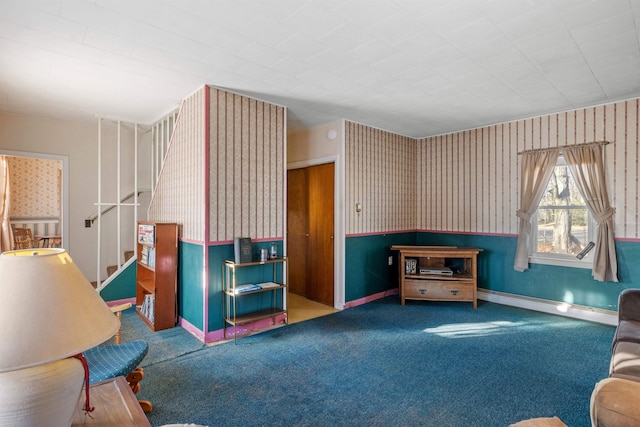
(48, 309)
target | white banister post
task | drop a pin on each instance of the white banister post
(99, 204)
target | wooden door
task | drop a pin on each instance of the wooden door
(310, 222)
(320, 248)
(297, 230)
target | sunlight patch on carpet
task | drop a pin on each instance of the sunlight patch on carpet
(466, 330)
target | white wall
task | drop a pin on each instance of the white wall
(314, 143)
(77, 141)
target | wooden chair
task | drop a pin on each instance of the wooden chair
(120, 359)
(23, 239)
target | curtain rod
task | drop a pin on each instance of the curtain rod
(565, 146)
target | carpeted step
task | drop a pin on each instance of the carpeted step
(111, 269)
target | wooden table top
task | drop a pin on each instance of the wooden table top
(114, 403)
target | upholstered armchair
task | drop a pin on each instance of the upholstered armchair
(628, 329)
(615, 401)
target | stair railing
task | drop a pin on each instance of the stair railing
(105, 207)
(161, 134)
(88, 222)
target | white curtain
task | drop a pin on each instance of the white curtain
(6, 236)
(537, 167)
(587, 167)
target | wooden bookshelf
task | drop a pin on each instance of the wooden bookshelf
(157, 274)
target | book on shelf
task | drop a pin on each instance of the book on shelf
(152, 257)
(144, 255)
(240, 289)
(242, 250)
(146, 234)
(268, 285)
(147, 307)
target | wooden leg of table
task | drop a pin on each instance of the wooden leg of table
(134, 379)
(145, 405)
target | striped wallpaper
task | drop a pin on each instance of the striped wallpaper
(247, 168)
(242, 170)
(380, 175)
(468, 181)
(179, 194)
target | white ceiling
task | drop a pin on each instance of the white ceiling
(416, 67)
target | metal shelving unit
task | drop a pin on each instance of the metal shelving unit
(234, 291)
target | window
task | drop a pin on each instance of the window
(562, 225)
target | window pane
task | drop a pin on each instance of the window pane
(562, 231)
(563, 217)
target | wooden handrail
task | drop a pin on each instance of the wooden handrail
(90, 220)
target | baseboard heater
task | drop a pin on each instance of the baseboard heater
(607, 317)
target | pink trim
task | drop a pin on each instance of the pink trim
(378, 233)
(218, 335)
(214, 336)
(195, 242)
(627, 239)
(220, 243)
(369, 298)
(230, 242)
(432, 231)
(189, 327)
(207, 171)
(618, 239)
(242, 330)
(267, 239)
(471, 233)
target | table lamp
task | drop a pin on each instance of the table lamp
(49, 312)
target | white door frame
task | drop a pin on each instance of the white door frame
(339, 222)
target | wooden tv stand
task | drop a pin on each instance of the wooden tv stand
(449, 273)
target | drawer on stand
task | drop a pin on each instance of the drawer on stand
(438, 290)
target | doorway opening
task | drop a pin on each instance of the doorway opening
(40, 201)
(300, 308)
(310, 240)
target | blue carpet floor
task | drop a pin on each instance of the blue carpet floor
(382, 364)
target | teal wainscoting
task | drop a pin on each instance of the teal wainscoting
(121, 287)
(190, 283)
(562, 284)
(366, 263)
(257, 274)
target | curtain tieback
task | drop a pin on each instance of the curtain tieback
(605, 215)
(526, 220)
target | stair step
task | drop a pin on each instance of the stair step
(111, 269)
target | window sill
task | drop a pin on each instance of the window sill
(560, 261)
